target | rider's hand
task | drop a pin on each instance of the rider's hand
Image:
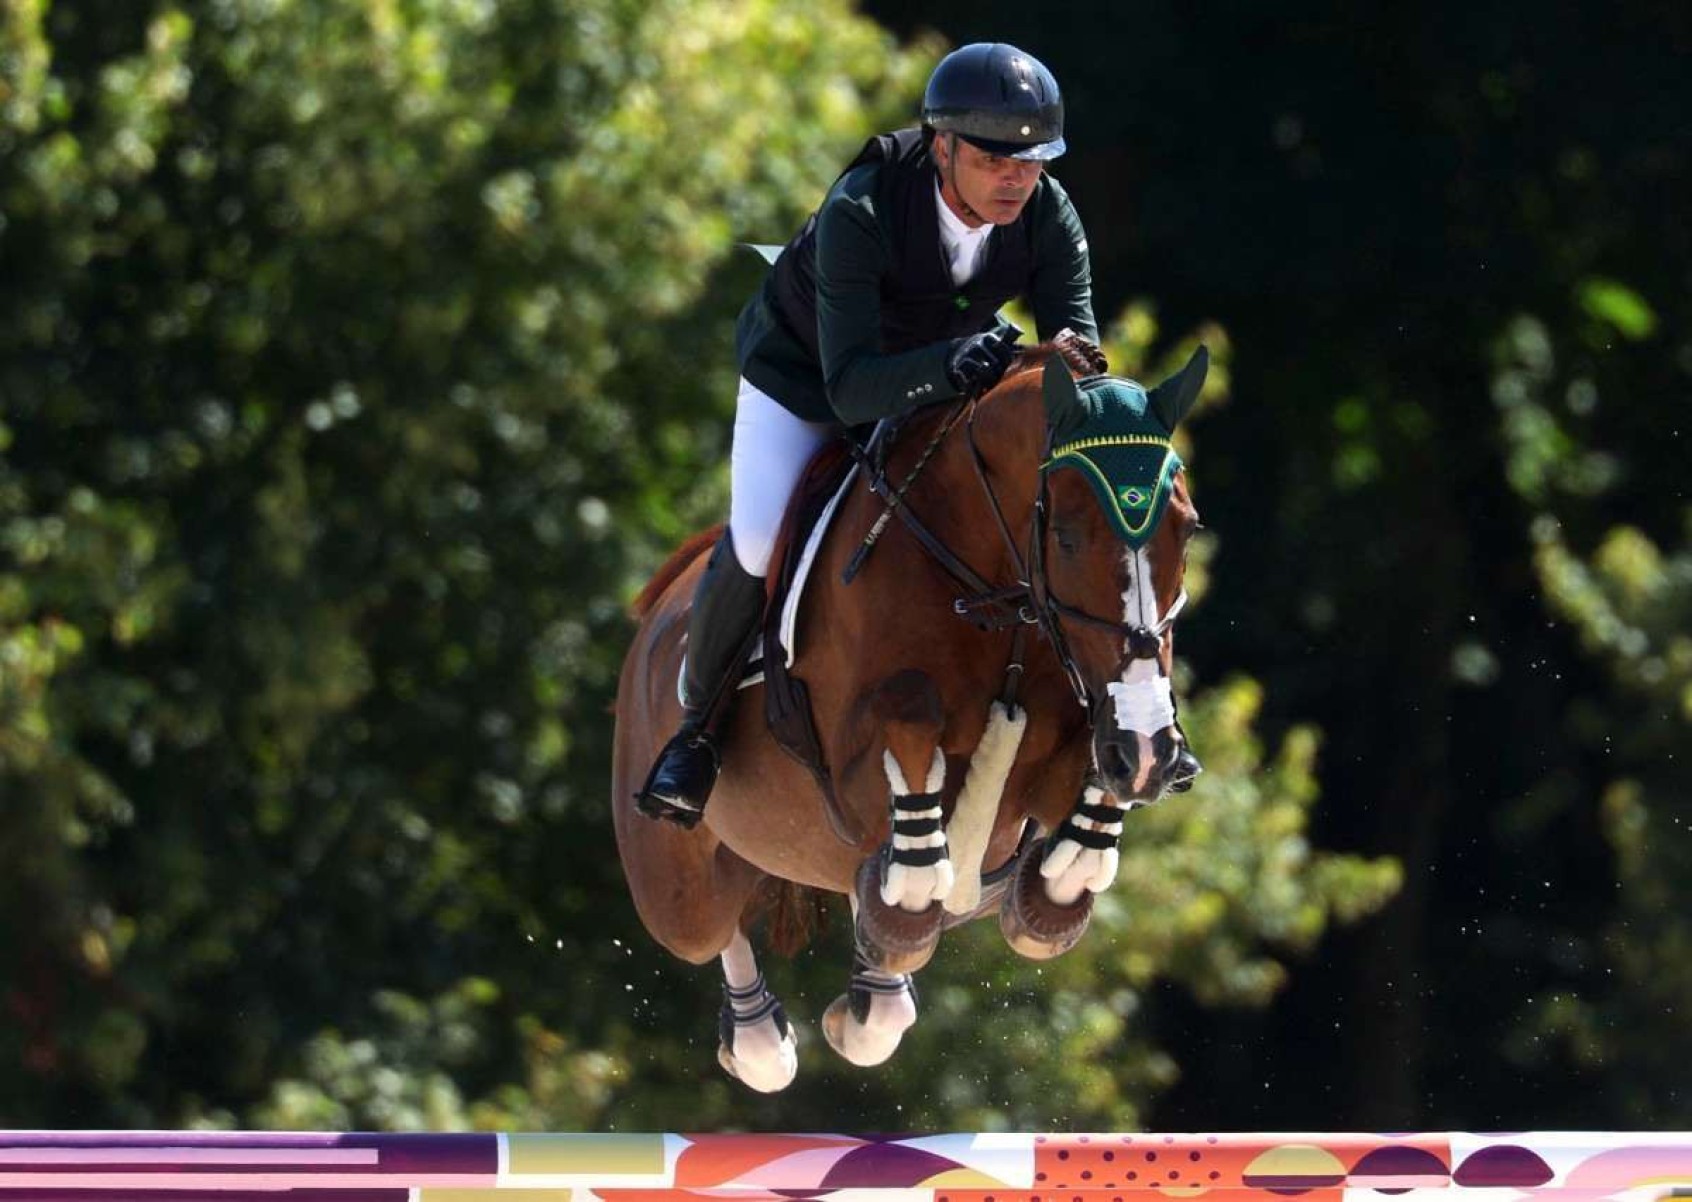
(977, 362)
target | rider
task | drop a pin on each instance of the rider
(885, 300)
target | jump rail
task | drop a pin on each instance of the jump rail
(275, 1166)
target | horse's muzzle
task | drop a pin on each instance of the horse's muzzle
(1135, 767)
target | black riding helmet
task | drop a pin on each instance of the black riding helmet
(995, 97)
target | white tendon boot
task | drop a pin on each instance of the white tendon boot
(757, 1044)
(918, 869)
(1083, 855)
(866, 1023)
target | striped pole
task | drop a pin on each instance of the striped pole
(207, 1166)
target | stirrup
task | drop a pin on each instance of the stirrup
(681, 779)
(678, 810)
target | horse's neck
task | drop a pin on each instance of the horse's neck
(1008, 431)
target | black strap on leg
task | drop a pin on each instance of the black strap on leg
(768, 1006)
(1096, 840)
(905, 805)
(866, 983)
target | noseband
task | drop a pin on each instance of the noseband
(1030, 601)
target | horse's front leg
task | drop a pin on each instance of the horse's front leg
(1050, 900)
(919, 869)
(1082, 854)
(898, 918)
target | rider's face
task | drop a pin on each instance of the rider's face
(982, 187)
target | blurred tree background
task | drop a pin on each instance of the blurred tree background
(357, 362)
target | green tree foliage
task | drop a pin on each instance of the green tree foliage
(1628, 596)
(342, 406)
(356, 360)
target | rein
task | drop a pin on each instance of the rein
(1001, 601)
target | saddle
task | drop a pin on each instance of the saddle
(787, 702)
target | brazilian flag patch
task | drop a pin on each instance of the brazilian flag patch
(1133, 498)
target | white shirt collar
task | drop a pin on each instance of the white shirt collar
(963, 245)
(954, 225)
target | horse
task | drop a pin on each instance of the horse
(950, 736)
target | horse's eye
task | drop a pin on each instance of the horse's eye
(1067, 540)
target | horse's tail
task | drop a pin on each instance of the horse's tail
(674, 566)
(791, 913)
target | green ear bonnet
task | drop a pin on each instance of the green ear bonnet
(1118, 436)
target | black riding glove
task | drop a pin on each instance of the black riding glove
(978, 361)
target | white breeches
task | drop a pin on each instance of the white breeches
(771, 449)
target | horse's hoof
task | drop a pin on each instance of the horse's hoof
(771, 1076)
(890, 938)
(1032, 923)
(871, 1049)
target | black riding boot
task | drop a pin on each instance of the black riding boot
(720, 629)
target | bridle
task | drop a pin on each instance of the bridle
(1030, 601)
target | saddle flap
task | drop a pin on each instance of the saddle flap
(787, 703)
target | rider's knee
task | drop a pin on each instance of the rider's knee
(754, 545)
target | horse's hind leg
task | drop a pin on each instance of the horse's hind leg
(757, 1042)
(691, 893)
(865, 1023)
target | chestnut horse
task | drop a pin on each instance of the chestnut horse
(950, 735)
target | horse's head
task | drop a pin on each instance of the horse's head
(1112, 526)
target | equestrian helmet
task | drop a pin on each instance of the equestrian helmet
(997, 98)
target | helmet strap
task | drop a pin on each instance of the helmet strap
(951, 180)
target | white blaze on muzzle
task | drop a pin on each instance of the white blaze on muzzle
(1144, 701)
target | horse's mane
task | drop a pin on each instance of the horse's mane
(1033, 356)
(674, 566)
(1083, 358)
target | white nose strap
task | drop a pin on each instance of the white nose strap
(1145, 704)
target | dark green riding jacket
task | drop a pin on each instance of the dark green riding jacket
(856, 318)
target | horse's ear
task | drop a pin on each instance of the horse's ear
(1173, 399)
(1064, 410)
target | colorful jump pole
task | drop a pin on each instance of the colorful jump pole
(273, 1166)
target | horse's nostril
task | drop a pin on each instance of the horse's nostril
(1184, 769)
(1118, 760)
